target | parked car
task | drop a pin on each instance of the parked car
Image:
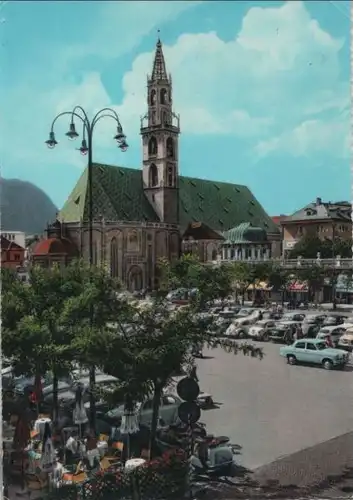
(245, 311)
(315, 319)
(168, 411)
(346, 341)
(280, 334)
(235, 331)
(314, 351)
(334, 332)
(334, 320)
(297, 317)
(258, 332)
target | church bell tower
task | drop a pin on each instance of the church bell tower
(160, 133)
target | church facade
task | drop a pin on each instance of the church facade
(140, 217)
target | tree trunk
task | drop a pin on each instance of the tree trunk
(155, 415)
(55, 396)
(92, 399)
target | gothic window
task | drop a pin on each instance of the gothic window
(170, 148)
(165, 118)
(170, 174)
(114, 268)
(153, 117)
(152, 146)
(164, 96)
(153, 97)
(132, 241)
(153, 176)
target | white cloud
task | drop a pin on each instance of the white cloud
(281, 69)
(270, 84)
(311, 137)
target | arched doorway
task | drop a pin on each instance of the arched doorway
(135, 279)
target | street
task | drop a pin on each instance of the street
(272, 409)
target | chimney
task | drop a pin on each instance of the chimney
(318, 201)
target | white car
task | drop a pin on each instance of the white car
(247, 320)
(235, 331)
(335, 332)
(258, 333)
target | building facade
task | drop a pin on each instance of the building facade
(326, 220)
(142, 216)
(12, 254)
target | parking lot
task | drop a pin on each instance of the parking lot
(272, 409)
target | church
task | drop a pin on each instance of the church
(143, 215)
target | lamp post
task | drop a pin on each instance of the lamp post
(88, 126)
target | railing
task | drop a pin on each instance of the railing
(336, 263)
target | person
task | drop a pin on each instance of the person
(299, 333)
(261, 316)
(328, 341)
(193, 374)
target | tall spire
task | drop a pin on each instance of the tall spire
(159, 71)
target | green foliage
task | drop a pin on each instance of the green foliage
(310, 245)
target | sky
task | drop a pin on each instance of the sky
(262, 89)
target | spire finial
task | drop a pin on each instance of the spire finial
(159, 70)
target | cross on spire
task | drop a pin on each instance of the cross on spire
(159, 71)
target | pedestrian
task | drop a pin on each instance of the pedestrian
(193, 374)
(261, 316)
(328, 341)
(299, 332)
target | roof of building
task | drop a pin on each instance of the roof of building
(118, 195)
(9, 245)
(159, 72)
(55, 246)
(277, 219)
(201, 231)
(245, 233)
(319, 210)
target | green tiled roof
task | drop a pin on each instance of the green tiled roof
(220, 205)
(118, 195)
(245, 233)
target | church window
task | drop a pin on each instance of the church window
(153, 176)
(152, 146)
(132, 241)
(153, 117)
(114, 258)
(153, 97)
(170, 172)
(170, 148)
(164, 96)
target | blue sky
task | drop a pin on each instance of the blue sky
(262, 89)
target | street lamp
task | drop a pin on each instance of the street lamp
(86, 148)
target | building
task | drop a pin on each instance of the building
(141, 216)
(12, 254)
(246, 242)
(18, 237)
(326, 220)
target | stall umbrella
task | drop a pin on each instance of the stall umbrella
(129, 425)
(79, 414)
(48, 452)
(37, 393)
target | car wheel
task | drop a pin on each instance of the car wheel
(292, 360)
(327, 364)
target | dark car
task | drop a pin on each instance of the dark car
(334, 320)
(281, 334)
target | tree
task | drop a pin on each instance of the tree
(278, 278)
(33, 335)
(310, 245)
(243, 275)
(315, 277)
(89, 314)
(189, 273)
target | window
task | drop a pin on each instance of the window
(164, 95)
(311, 347)
(153, 97)
(300, 345)
(153, 176)
(17, 256)
(170, 147)
(300, 230)
(152, 146)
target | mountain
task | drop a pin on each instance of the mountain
(25, 207)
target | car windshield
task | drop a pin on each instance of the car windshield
(320, 346)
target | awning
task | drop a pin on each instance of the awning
(262, 285)
(298, 286)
